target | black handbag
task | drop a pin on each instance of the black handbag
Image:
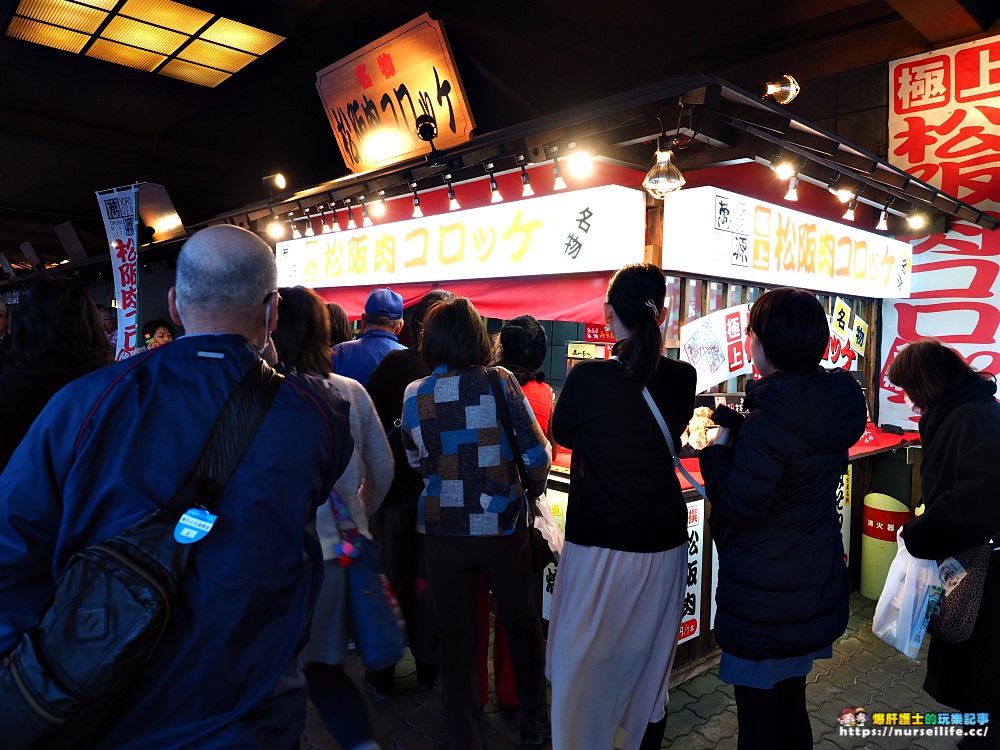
(541, 554)
(69, 677)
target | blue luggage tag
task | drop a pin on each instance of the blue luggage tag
(193, 526)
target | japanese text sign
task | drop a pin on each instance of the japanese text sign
(691, 608)
(712, 232)
(374, 96)
(944, 117)
(598, 229)
(716, 346)
(118, 208)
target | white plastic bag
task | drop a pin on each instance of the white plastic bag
(546, 523)
(911, 594)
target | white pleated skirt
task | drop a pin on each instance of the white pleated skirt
(612, 639)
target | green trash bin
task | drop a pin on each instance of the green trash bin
(883, 515)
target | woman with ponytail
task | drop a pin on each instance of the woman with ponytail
(616, 607)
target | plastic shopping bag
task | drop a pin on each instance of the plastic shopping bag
(547, 525)
(910, 596)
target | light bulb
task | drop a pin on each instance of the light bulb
(453, 204)
(784, 170)
(526, 191)
(783, 90)
(350, 219)
(309, 227)
(793, 193)
(663, 178)
(378, 207)
(844, 195)
(275, 230)
(296, 234)
(560, 183)
(580, 164)
(883, 221)
(495, 196)
(916, 221)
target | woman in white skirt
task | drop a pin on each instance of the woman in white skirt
(620, 585)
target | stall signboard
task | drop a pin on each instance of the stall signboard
(691, 608)
(713, 232)
(118, 208)
(374, 97)
(943, 118)
(716, 345)
(844, 511)
(598, 229)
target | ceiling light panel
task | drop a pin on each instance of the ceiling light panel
(239, 35)
(124, 55)
(143, 35)
(168, 14)
(215, 56)
(50, 36)
(104, 4)
(62, 13)
(191, 73)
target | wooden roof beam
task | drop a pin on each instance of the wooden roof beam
(939, 21)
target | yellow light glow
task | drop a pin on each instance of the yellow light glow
(192, 73)
(50, 36)
(240, 36)
(580, 164)
(916, 221)
(215, 56)
(143, 35)
(784, 170)
(381, 144)
(275, 230)
(60, 13)
(378, 209)
(124, 55)
(844, 195)
(168, 14)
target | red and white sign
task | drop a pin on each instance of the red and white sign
(944, 122)
(708, 231)
(118, 207)
(716, 346)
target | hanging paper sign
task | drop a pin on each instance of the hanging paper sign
(844, 512)
(691, 608)
(712, 232)
(716, 346)
(118, 208)
(840, 318)
(374, 97)
(582, 231)
(860, 338)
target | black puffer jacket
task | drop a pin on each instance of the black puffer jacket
(783, 585)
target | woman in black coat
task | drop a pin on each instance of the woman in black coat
(782, 597)
(959, 472)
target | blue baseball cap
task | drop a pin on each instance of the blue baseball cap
(384, 303)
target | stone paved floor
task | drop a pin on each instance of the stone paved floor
(863, 672)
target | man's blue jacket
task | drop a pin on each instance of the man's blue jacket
(113, 446)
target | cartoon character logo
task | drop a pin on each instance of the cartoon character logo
(860, 716)
(846, 717)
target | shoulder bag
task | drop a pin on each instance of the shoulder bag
(955, 617)
(670, 443)
(542, 552)
(68, 678)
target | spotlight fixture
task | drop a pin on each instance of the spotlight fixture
(883, 217)
(417, 213)
(784, 167)
(495, 196)
(275, 181)
(296, 234)
(849, 213)
(326, 228)
(350, 214)
(844, 195)
(526, 191)
(579, 164)
(334, 224)
(453, 204)
(782, 90)
(793, 184)
(663, 176)
(916, 220)
(309, 226)
(560, 183)
(378, 207)
(365, 220)
(427, 129)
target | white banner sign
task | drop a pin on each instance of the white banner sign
(944, 115)
(118, 207)
(691, 609)
(716, 346)
(712, 232)
(599, 229)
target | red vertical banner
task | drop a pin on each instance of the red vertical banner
(118, 208)
(944, 120)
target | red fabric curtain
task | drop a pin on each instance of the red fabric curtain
(571, 297)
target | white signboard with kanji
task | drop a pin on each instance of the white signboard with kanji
(716, 346)
(691, 609)
(579, 231)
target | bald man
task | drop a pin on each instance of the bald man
(114, 445)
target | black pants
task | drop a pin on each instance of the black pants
(454, 564)
(774, 719)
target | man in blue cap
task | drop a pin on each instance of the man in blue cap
(382, 321)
